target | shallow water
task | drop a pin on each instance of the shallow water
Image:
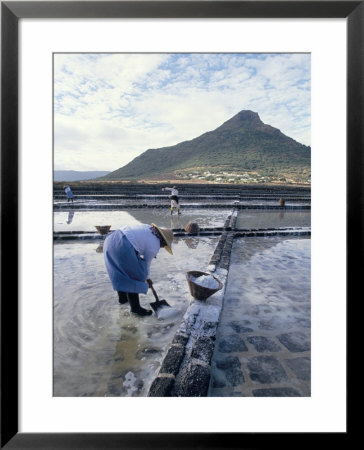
(78, 220)
(108, 200)
(100, 349)
(272, 219)
(268, 294)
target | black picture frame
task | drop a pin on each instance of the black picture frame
(11, 12)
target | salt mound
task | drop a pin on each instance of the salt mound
(165, 312)
(207, 281)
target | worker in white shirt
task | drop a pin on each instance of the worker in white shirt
(174, 198)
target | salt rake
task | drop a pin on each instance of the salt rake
(158, 304)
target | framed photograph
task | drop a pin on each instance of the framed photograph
(38, 412)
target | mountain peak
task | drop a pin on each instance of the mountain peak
(246, 114)
(245, 118)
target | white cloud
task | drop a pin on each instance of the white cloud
(109, 108)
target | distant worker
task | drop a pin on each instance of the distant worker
(128, 253)
(174, 198)
(68, 192)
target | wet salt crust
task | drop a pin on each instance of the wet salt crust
(263, 341)
(207, 281)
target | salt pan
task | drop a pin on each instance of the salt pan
(207, 281)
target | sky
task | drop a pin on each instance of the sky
(110, 108)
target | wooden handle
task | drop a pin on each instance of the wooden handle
(154, 293)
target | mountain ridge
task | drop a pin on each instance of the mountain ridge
(242, 143)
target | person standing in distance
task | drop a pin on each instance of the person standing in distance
(174, 198)
(68, 192)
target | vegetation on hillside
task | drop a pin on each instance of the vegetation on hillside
(243, 145)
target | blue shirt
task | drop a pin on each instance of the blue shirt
(143, 240)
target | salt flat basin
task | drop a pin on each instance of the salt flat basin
(86, 220)
(250, 218)
(100, 349)
(263, 341)
(108, 200)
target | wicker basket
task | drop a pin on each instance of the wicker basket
(192, 228)
(197, 291)
(103, 229)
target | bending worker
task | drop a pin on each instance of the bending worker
(174, 198)
(128, 254)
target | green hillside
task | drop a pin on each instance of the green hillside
(243, 144)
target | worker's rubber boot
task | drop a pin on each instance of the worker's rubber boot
(123, 297)
(135, 307)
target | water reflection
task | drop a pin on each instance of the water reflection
(100, 248)
(135, 359)
(122, 379)
(175, 222)
(191, 242)
(163, 218)
(86, 220)
(70, 217)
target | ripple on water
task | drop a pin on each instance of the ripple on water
(100, 348)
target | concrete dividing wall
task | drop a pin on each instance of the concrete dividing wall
(185, 370)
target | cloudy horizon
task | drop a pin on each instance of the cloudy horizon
(110, 108)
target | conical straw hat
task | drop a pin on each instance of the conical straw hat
(167, 236)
